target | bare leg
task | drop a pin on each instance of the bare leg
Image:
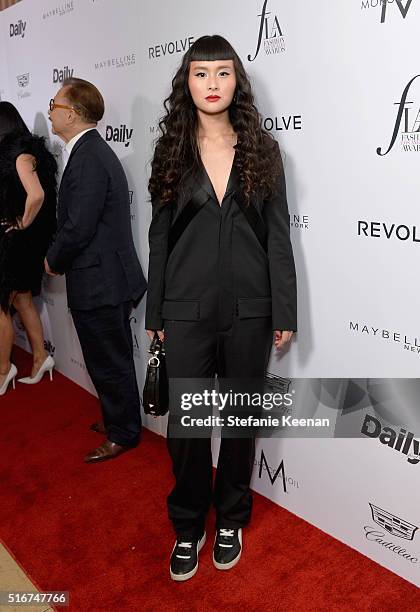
(6, 344)
(32, 322)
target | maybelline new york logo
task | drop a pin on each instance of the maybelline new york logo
(17, 29)
(393, 525)
(384, 5)
(409, 343)
(407, 123)
(59, 11)
(270, 35)
(121, 61)
(298, 221)
(401, 441)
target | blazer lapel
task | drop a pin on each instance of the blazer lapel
(91, 134)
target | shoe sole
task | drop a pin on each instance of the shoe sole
(183, 577)
(228, 566)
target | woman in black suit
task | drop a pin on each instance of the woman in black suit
(221, 277)
(28, 220)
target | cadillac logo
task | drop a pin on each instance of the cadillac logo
(393, 524)
(23, 79)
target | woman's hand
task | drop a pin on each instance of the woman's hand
(281, 338)
(160, 333)
(16, 226)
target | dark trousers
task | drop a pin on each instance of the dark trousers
(196, 350)
(107, 346)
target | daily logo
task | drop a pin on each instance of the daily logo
(270, 35)
(400, 441)
(120, 134)
(60, 74)
(17, 29)
(407, 123)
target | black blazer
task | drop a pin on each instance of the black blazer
(218, 268)
(94, 243)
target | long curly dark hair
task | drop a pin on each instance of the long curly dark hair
(176, 152)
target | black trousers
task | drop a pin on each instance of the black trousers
(107, 346)
(198, 350)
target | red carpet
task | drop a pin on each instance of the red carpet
(101, 531)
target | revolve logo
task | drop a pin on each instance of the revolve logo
(170, 48)
(270, 35)
(376, 229)
(283, 123)
(407, 123)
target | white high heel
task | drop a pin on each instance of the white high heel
(47, 366)
(10, 377)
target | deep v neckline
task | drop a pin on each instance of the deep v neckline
(229, 181)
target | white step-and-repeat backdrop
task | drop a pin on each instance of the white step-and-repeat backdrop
(338, 84)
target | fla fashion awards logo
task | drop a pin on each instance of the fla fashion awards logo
(270, 35)
(406, 130)
(391, 525)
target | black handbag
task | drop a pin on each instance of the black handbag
(156, 385)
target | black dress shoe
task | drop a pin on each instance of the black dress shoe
(107, 450)
(184, 558)
(99, 427)
(227, 548)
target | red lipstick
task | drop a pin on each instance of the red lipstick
(212, 98)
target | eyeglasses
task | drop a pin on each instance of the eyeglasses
(53, 105)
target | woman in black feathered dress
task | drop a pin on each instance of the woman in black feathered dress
(27, 224)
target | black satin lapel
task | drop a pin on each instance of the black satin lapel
(234, 183)
(205, 182)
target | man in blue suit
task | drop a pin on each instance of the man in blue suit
(94, 248)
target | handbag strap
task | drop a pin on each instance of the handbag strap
(192, 207)
(254, 219)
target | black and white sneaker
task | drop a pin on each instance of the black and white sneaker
(227, 548)
(184, 558)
